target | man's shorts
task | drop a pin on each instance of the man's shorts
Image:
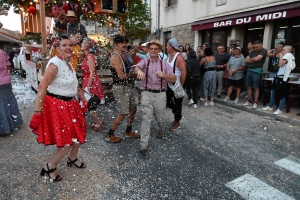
(236, 83)
(253, 79)
(126, 98)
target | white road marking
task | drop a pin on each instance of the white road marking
(289, 165)
(252, 188)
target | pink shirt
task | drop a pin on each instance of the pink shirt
(154, 81)
(4, 74)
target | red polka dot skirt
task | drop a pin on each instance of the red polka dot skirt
(63, 123)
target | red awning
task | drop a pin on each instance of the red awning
(266, 14)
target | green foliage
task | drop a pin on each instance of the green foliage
(37, 37)
(136, 20)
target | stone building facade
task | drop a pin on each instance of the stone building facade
(216, 22)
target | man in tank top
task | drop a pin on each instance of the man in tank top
(122, 90)
(177, 63)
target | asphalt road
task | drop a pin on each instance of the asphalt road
(218, 153)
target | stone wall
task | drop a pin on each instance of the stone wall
(184, 34)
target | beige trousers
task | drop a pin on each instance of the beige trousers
(152, 104)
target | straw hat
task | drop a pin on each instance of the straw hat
(156, 42)
(71, 13)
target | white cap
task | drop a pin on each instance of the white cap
(144, 44)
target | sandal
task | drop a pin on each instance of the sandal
(98, 126)
(43, 172)
(73, 162)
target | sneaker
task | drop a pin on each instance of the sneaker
(144, 152)
(267, 108)
(218, 96)
(132, 134)
(236, 101)
(102, 101)
(205, 104)
(226, 98)
(201, 99)
(160, 135)
(211, 103)
(247, 104)
(112, 139)
(254, 106)
(195, 106)
(278, 112)
(175, 126)
(191, 102)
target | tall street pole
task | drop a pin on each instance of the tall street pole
(43, 27)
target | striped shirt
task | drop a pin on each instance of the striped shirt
(236, 63)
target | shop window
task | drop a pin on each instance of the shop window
(288, 32)
(255, 32)
(107, 4)
(207, 37)
(121, 6)
(218, 38)
(172, 2)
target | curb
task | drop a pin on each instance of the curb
(258, 111)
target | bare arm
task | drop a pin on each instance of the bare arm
(170, 78)
(202, 61)
(48, 77)
(180, 62)
(271, 53)
(116, 63)
(139, 72)
(282, 62)
(91, 65)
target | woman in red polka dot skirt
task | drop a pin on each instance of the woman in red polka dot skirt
(91, 82)
(58, 117)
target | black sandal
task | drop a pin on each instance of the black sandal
(43, 172)
(73, 162)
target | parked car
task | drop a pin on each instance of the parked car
(19, 61)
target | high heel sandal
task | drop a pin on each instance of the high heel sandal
(43, 172)
(73, 162)
(98, 126)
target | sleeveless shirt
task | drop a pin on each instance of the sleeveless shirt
(116, 79)
(177, 70)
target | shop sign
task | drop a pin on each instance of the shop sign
(252, 19)
(246, 18)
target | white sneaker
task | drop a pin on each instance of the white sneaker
(205, 104)
(278, 112)
(247, 104)
(226, 98)
(195, 106)
(211, 103)
(191, 102)
(254, 106)
(201, 99)
(267, 108)
(102, 101)
(236, 101)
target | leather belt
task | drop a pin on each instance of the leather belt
(64, 98)
(154, 91)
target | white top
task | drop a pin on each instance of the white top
(177, 70)
(281, 70)
(65, 82)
